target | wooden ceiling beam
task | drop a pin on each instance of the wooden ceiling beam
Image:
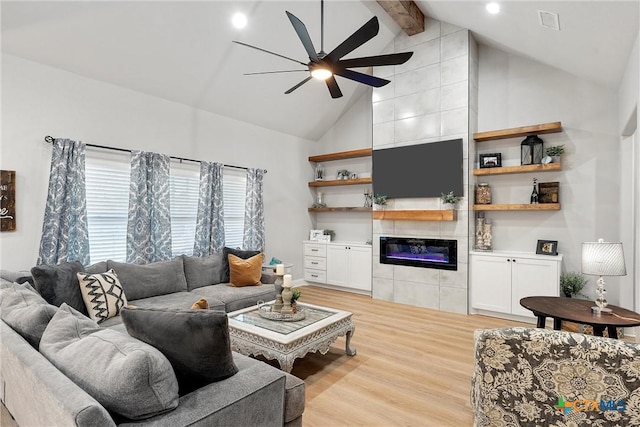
(406, 14)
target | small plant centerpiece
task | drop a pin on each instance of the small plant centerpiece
(380, 200)
(572, 283)
(555, 152)
(343, 174)
(450, 199)
(295, 294)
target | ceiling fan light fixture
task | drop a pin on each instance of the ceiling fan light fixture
(321, 73)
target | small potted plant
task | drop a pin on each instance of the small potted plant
(555, 152)
(572, 283)
(343, 174)
(295, 294)
(450, 199)
(380, 200)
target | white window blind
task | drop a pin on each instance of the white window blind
(184, 187)
(107, 186)
(234, 188)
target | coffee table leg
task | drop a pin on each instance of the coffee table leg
(351, 351)
(557, 324)
(613, 332)
(542, 321)
(598, 331)
(286, 365)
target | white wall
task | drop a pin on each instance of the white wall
(515, 91)
(38, 100)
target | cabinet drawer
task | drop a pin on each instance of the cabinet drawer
(315, 250)
(315, 263)
(315, 276)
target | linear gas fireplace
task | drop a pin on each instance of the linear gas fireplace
(419, 252)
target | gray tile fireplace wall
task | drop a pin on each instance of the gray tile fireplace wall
(432, 97)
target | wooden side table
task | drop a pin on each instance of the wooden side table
(579, 311)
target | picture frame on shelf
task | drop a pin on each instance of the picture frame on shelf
(490, 160)
(314, 235)
(324, 238)
(547, 247)
(548, 192)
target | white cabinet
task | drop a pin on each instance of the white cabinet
(499, 280)
(341, 264)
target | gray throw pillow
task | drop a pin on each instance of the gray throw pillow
(149, 280)
(125, 375)
(25, 311)
(196, 342)
(203, 271)
(240, 254)
(59, 283)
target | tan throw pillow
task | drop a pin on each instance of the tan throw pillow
(102, 294)
(201, 304)
(245, 272)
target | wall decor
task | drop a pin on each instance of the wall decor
(491, 160)
(7, 200)
(548, 192)
(547, 247)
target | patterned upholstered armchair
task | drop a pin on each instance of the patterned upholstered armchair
(539, 377)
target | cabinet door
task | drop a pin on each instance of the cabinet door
(491, 283)
(359, 268)
(532, 277)
(337, 265)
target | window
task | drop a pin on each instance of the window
(107, 182)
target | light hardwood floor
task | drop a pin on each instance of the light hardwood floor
(413, 366)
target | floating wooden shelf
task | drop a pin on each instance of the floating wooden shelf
(335, 182)
(363, 152)
(340, 209)
(519, 207)
(517, 132)
(416, 215)
(518, 169)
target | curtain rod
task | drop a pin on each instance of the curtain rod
(50, 140)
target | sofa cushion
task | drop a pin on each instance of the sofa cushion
(102, 294)
(225, 260)
(125, 375)
(196, 342)
(203, 271)
(16, 276)
(245, 272)
(25, 311)
(178, 300)
(98, 267)
(233, 298)
(157, 278)
(59, 284)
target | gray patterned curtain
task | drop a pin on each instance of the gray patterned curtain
(149, 224)
(209, 236)
(253, 239)
(65, 236)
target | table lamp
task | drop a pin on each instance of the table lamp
(602, 259)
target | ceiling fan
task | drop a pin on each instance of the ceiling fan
(325, 66)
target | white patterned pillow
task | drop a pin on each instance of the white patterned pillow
(102, 294)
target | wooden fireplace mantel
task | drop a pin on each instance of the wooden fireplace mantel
(416, 215)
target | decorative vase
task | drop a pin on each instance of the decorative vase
(555, 159)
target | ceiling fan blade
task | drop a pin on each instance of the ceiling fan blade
(362, 78)
(298, 85)
(303, 34)
(267, 51)
(357, 39)
(376, 61)
(332, 84)
(273, 72)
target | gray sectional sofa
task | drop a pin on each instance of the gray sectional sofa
(36, 392)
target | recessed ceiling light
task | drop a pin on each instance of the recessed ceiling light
(493, 8)
(239, 20)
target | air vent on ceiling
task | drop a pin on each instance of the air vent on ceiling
(549, 20)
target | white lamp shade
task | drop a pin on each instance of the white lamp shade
(603, 259)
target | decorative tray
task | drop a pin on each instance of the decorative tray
(266, 312)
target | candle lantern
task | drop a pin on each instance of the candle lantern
(531, 151)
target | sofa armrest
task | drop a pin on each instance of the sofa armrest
(252, 397)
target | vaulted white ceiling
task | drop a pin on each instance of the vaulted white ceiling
(183, 52)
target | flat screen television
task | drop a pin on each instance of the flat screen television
(422, 170)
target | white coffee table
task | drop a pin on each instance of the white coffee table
(252, 334)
